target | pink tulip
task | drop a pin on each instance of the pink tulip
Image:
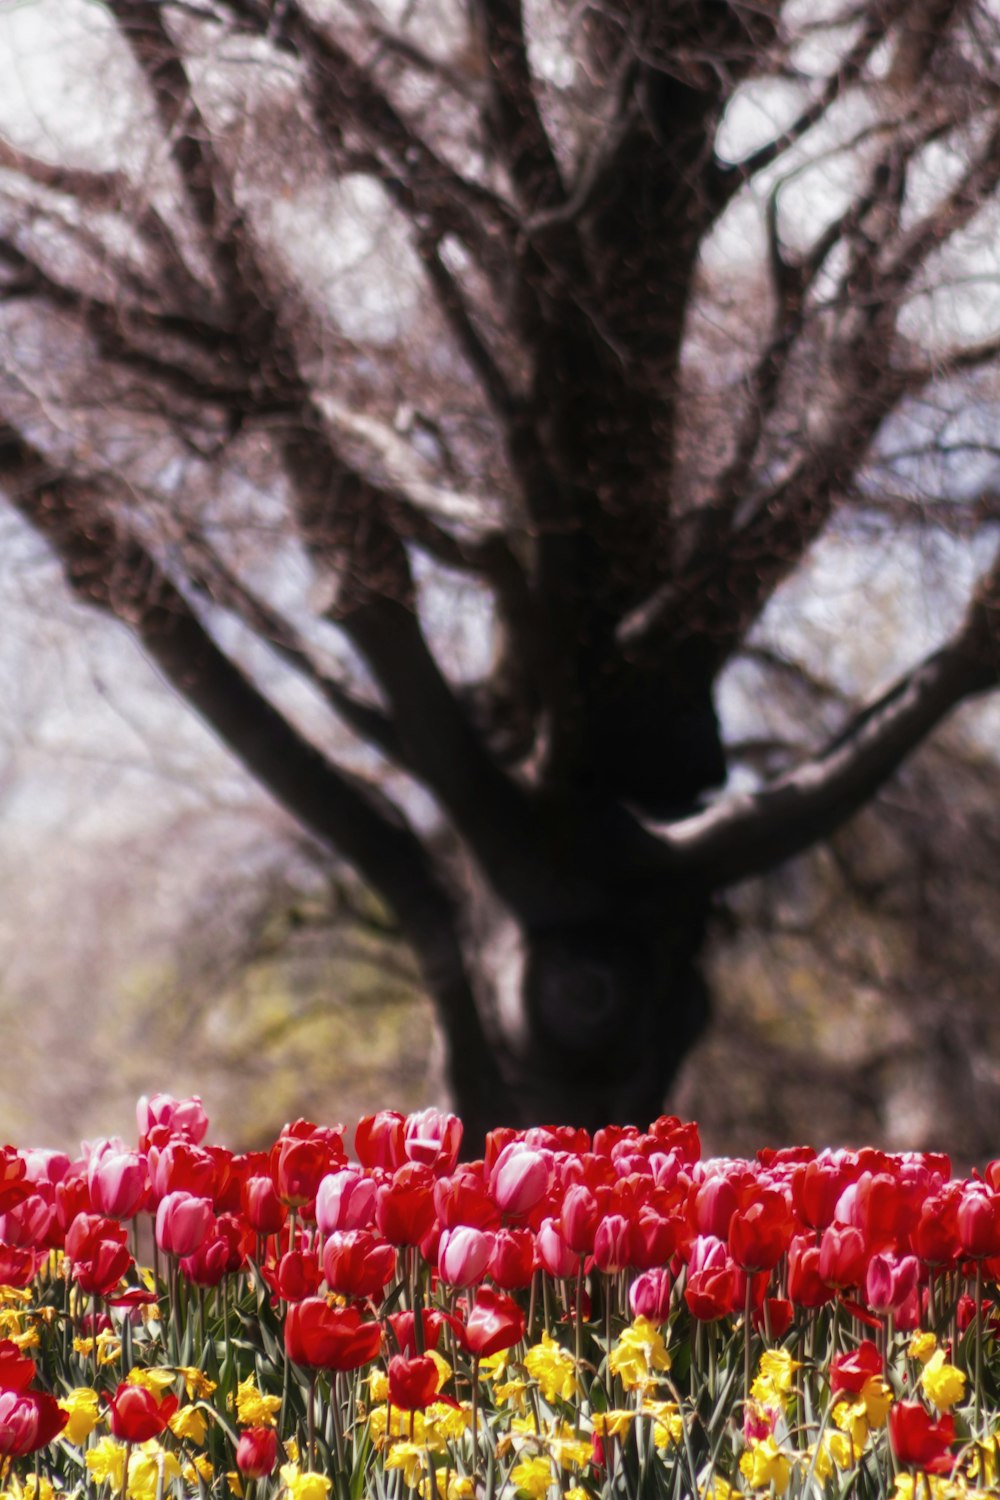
(520, 1178)
(183, 1223)
(463, 1255)
(345, 1200)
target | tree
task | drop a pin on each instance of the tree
(575, 404)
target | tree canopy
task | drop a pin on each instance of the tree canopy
(327, 326)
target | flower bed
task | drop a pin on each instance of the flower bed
(568, 1316)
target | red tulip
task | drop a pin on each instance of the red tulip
(849, 1372)
(843, 1256)
(977, 1220)
(296, 1276)
(582, 1211)
(136, 1415)
(613, 1244)
(87, 1232)
(358, 1263)
(431, 1322)
(298, 1166)
(496, 1322)
(806, 1287)
(554, 1255)
(889, 1281)
(101, 1272)
(28, 1420)
(654, 1238)
(378, 1140)
(180, 1166)
(257, 1452)
(816, 1187)
(920, 1441)
(221, 1253)
(760, 1233)
(17, 1371)
(412, 1382)
(329, 1338)
(512, 1263)
(13, 1187)
(262, 1208)
(17, 1267)
(404, 1207)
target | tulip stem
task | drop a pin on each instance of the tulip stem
(311, 1420)
(979, 1345)
(475, 1412)
(747, 1315)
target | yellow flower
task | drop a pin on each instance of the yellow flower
(443, 1368)
(234, 1479)
(150, 1469)
(985, 1465)
(511, 1393)
(576, 1492)
(553, 1368)
(109, 1346)
(189, 1423)
(84, 1414)
(253, 1409)
(106, 1462)
(406, 1456)
(613, 1423)
(668, 1424)
(639, 1352)
(31, 1338)
(447, 1486)
(944, 1383)
(197, 1383)
(833, 1450)
(764, 1463)
(378, 1385)
(850, 1418)
(877, 1398)
(921, 1347)
(926, 1487)
(773, 1385)
(717, 1488)
(307, 1486)
(200, 1466)
(532, 1477)
(37, 1487)
(443, 1424)
(567, 1450)
(493, 1366)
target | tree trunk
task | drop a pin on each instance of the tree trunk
(591, 1021)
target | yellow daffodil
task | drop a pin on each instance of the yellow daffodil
(198, 1467)
(764, 1463)
(773, 1384)
(565, 1448)
(189, 1423)
(493, 1366)
(943, 1383)
(877, 1398)
(444, 1424)
(511, 1393)
(410, 1458)
(234, 1479)
(254, 1409)
(668, 1424)
(196, 1383)
(150, 1469)
(575, 1493)
(717, 1488)
(304, 1486)
(613, 1423)
(444, 1369)
(921, 1347)
(834, 1450)
(378, 1385)
(638, 1354)
(156, 1380)
(84, 1414)
(447, 1486)
(106, 1462)
(532, 1477)
(553, 1368)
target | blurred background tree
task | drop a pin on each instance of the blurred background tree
(527, 440)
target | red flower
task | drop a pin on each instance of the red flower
(378, 1140)
(463, 1200)
(16, 1370)
(613, 1244)
(329, 1338)
(582, 1211)
(28, 1420)
(262, 1208)
(117, 1180)
(848, 1372)
(760, 1233)
(520, 1178)
(843, 1256)
(918, 1440)
(496, 1322)
(403, 1327)
(17, 1267)
(103, 1270)
(806, 1286)
(977, 1221)
(345, 1200)
(357, 1263)
(649, 1295)
(180, 1166)
(709, 1293)
(412, 1382)
(136, 1415)
(296, 1276)
(222, 1253)
(512, 1263)
(257, 1452)
(404, 1207)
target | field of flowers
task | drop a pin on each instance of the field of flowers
(567, 1316)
